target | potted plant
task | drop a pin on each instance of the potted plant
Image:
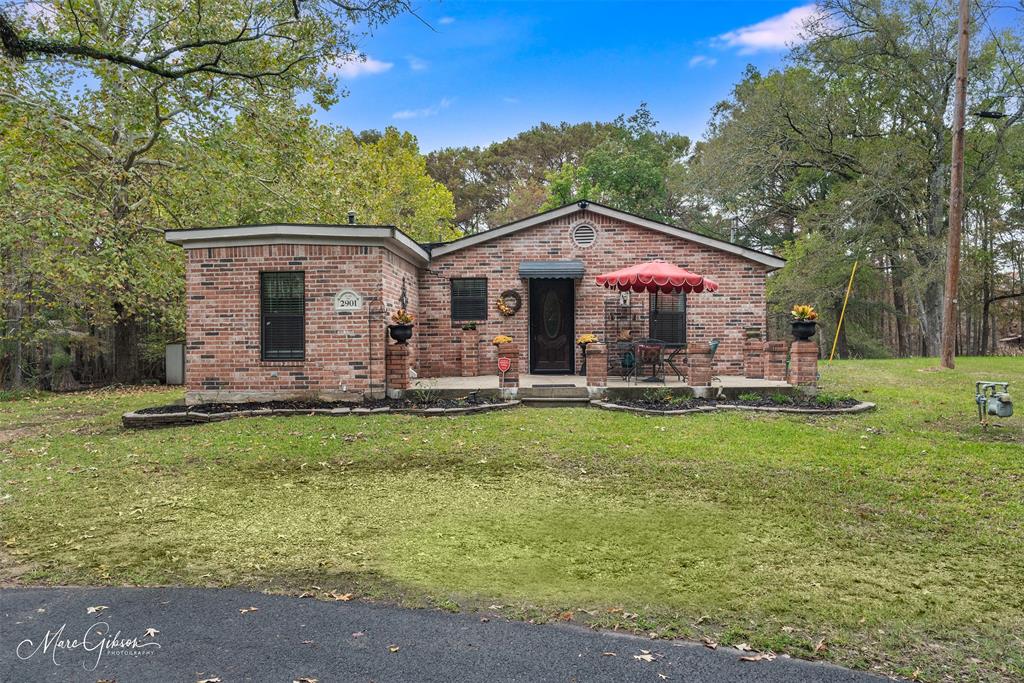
(469, 326)
(804, 319)
(583, 341)
(400, 328)
(501, 339)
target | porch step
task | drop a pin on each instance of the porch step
(566, 402)
(551, 392)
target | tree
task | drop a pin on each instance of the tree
(183, 38)
(104, 141)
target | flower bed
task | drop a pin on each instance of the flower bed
(665, 403)
(156, 416)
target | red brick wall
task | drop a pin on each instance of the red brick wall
(738, 304)
(344, 351)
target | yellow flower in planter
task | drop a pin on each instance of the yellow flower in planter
(586, 339)
(804, 312)
(402, 317)
(501, 339)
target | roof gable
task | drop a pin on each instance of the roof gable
(768, 260)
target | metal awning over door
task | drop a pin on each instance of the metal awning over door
(572, 269)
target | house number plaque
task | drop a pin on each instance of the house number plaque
(347, 300)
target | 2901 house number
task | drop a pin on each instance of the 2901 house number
(347, 300)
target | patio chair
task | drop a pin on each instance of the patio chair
(651, 352)
(711, 358)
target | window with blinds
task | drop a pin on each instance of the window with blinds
(668, 317)
(283, 315)
(469, 298)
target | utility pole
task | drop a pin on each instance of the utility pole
(956, 196)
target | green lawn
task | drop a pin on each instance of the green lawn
(896, 536)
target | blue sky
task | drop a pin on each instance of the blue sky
(494, 68)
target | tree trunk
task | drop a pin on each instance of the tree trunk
(126, 356)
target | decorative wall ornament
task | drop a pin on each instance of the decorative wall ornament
(509, 303)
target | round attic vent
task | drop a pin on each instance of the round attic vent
(584, 234)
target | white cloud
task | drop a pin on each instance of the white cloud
(353, 66)
(702, 59)
(432, 110)
(417, 64)
(774, 33)
(445, 21)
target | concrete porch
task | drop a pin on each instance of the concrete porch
(538, 381)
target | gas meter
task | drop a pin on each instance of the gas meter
(993, 398)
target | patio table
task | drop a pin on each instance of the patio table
(673, 352)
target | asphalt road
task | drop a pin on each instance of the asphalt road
(205, 634)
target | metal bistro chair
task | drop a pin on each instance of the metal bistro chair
(651, 352)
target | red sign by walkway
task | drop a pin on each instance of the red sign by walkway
(504, 364)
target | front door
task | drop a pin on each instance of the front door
(551, 326)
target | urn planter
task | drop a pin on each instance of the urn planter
(400, 333)
(803, 329)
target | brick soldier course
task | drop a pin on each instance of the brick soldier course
(345, 348)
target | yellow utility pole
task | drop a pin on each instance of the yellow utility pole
(842, 314)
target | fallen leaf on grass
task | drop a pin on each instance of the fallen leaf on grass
(343, 597)
(565, 616)
(743, 647)
(820, 647)
(246, 610)
(708, 643)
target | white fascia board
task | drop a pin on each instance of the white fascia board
(487, 235)
(256, 235)
(772, 262)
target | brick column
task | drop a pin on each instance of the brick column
(698, 361)
(775, 361)
(803, 363)
(470, 362)
(397, 362)
(597, 365)
(753, 358)
(510, 351)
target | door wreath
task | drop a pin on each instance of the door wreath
(509, 302)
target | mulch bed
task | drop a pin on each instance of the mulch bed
(783, 401)
(159, 416)
(472, 399)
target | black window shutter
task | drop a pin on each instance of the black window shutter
(469, 298)
(283, 315)
(668, 317)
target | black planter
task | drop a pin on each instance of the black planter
(803, 329)
(400, 333)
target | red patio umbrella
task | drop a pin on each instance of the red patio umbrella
(657, 276)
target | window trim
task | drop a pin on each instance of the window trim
(263, 320)
(451, 299)
(652, 316)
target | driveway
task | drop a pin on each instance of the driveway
(190, 634)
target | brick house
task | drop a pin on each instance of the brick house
(278, 311)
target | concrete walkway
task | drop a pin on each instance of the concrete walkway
(183, 634)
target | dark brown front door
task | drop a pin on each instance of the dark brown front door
(551, 326)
